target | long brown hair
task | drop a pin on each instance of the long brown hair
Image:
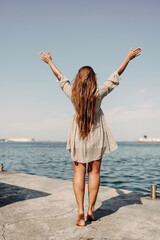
(84, 99)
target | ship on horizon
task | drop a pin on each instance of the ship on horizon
(146, 139)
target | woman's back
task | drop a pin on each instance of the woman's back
(100, 140)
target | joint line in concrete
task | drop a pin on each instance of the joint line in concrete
(3, 232)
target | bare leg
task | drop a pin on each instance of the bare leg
(93, 185)
(79, 190)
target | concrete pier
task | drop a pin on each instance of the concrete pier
(40, 208)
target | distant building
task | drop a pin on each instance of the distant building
(149, 140)
(20, 140)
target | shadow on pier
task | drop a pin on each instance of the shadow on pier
(112, 205)
(11, 193)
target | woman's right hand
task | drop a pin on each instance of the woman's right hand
(46, 58)
(133, 53)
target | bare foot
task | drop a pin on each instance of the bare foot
(90, 216)
(80, 220)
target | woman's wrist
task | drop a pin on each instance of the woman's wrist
(50, 62)
(127, 59)
(54, 68)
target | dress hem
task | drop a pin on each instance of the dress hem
(105, 153)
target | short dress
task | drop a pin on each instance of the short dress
(100, 141)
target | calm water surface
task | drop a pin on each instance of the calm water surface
(133, 166)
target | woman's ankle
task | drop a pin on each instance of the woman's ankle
(81, 211)
(91, 209)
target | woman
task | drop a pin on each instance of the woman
(89, 137)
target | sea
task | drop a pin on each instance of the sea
(132, 166)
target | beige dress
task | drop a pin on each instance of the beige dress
(100, 141)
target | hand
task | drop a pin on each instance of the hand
(46, 58)
(133, 53)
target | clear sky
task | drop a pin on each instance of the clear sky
(87, 32)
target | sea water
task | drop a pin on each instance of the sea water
(133, 166)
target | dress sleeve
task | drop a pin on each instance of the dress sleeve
(109, 84)
(65, 85)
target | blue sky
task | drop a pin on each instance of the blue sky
(77, 33)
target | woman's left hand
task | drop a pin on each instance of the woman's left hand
(46, 58)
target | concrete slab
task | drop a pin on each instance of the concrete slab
(40, 208)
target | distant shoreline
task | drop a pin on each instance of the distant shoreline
(64, 141)
(146, 141)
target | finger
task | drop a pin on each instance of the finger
(42, 53)
(136, 55)
(138, 49)
(43, 58)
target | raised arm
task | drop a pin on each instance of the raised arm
(47, 58)
(114, 78)
(131, 55)
(64, 83)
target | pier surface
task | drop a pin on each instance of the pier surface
(40, 208)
